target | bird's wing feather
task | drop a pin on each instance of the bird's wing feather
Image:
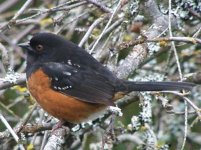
(82, 83)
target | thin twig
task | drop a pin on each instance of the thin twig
(13, 20)
(45, 137)
(8, 110)
(26, 118)
(54, 9)
(197, 33)
(69, 22)
(9, 128)
(180, 113)
(171, 35)
(160, 39)
(88, 33)
(177, 39)
(100, 5)
(22, 9)
(107, 25)
(6, 5)
(4, 54)
(197, 109)
(179, 70)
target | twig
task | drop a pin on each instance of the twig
(6, 5)
(194, 13)
(198, 110)
(28, 2)
(9, 128)
(4, 54)
(151, 140)
(143, 40)
(130, 137)
(185, 124)
(12, 21)
(57, 139)
(26, 118)
(9, 110)
(20, 125)
(178, 39)
(6, 84)
(16, 101)
(88, 33)
(197, 32)
(66, 3)
(28, 129)
(179, 70)
(180, 113)
(114, 26)
(69, 22)
(173, 44)
(169, 108)
(107, 25)
(100, 5)
(136, 57)
(44, 140)
(54, 9)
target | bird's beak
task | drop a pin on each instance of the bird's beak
(26, 46)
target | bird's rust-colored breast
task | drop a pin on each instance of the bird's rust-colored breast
(57, 104)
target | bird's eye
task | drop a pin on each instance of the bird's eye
(39, 47)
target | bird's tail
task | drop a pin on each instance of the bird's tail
(128, 86)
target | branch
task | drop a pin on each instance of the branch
(5, 58)
(107, 25)
(6, 5)
(13, 20)
(197, 109)
(100, 6)
(128, 44)
(9, 128)
(54, 9)
(179, 70)
(6, 83)
(88, 33)
(57, 139)
(136, 57)
(132, 61)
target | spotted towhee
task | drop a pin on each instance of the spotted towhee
(73, 86)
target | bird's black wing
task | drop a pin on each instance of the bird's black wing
(82, 83)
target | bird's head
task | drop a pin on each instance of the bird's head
(43, 47)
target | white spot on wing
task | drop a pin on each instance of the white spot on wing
(67, 73)
(77, 65)
(69, 62)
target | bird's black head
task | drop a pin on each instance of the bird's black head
(45, 47)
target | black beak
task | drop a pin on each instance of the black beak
(26, 46)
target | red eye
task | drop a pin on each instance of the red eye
(39, 47)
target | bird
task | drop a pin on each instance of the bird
(71, 85)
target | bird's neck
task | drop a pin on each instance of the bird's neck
(32, 65)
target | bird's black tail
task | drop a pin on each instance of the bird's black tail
(154, 86)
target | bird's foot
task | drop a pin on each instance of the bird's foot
(58, 125)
